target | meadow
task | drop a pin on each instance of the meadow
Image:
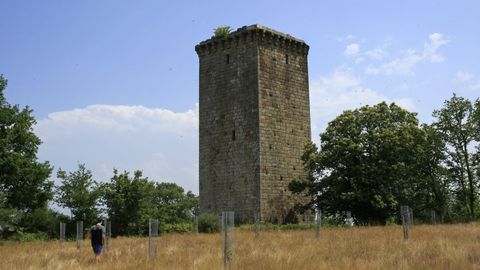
(429, 247)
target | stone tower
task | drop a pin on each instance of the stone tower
(254, 122)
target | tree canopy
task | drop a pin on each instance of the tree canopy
(371, 160)
(131, 201)
(78, 192)
(23, 180)
(458, 122)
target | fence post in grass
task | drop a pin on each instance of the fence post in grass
(152, 238)
(306, 221)
(79, 233)
(220, 221)
(434, 217)
(62, 232)
(318, 222)
(108, 229)
(349, 219)
(228, 225)
(257, 224)
(405, 213)
(195, 224)
(410, 219)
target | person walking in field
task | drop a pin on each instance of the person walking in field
(97, 235)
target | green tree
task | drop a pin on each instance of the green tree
(42, 220)
(23, 180)
(78, 192)
(457, 123)
(171, 205)
(125, 199)
(8, 216)
(131, 201)
(435, 194)
(368, 163)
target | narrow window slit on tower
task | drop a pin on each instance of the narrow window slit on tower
(286, 58)
(233, 135)
(227, 58)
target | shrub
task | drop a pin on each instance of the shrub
(222, 31)
(208, 223)
(31, 237)
(177, 228)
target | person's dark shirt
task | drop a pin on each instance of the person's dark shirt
(97, 232)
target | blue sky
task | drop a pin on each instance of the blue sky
(115, 83)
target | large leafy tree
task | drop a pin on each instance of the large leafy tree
(458, 123)
(171, 204)
(131, 201)
(124, 198)
(369, 163)
(78, 192)
(435, 194)
(23, 180)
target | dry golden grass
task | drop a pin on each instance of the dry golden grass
(429, 247)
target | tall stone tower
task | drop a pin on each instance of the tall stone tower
(254, 122)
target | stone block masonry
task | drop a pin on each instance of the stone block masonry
(254, 122)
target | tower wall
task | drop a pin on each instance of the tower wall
(254, 122)
(284, 122)
(229, 129)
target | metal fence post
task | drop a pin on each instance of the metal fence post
(152, 238)
(62, 231)
(228, 225)
(318, 223)
(257, 224)
(406, 214)
(79, 233)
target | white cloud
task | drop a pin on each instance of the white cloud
(405, 65)
(430, 48)
(475, 87)
(161, 143)
(339, 91)
(359, 60)
(376, 54)
(463, 76)
(466, 82)
(352, 49)
(346, 37)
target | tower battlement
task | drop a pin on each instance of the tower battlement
(255, 32)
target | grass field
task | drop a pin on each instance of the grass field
(429, 247)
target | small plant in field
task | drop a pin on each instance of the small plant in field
(208, 223)
(222, 31)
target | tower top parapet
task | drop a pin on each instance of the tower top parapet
(255, 32)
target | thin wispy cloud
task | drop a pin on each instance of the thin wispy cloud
(347, 37)
(376, 54)
(466, 82)
(340, 90)
(406, 64)
(352, 49)
(462, 77)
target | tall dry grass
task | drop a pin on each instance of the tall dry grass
(429, 247)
